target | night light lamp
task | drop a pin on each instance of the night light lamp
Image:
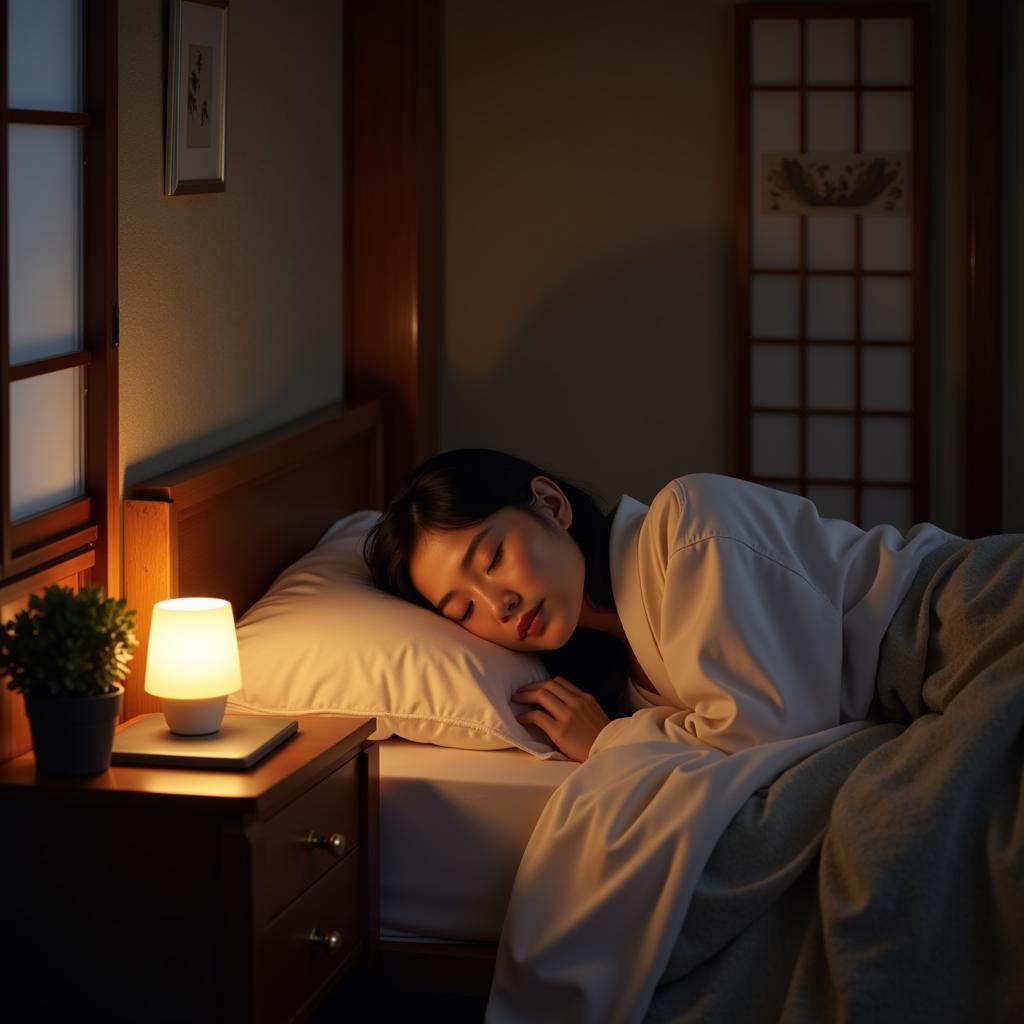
(192, 663)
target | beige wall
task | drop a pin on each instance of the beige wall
(589, 184)
(589, 187)
(231, 307)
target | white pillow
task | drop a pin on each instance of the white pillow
(324, 640)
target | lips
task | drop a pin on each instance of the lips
(527, 622)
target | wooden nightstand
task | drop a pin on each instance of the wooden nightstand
(159, 894)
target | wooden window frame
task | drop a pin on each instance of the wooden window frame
(88, 524)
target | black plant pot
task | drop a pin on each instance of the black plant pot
(73, 735)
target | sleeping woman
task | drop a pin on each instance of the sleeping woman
(733, 602)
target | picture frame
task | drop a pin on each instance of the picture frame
(196, 96)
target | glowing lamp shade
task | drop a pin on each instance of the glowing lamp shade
(192, 664)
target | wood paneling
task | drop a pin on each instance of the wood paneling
(150, 574)
(392, 239)
(984, 421)
(99, 290)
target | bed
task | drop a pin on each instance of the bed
(872, 871)
(228, 526)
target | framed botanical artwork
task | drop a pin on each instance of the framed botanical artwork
(196, 95)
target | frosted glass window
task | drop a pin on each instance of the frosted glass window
(831, 122)
(779, 485)
(831, 377)
(886, 122)
(834, 502)
(886, 51)
(776, 241)
(886, 243)
(887, 380)
(830, 243)
(775, 122)
(775, 375)
(46, 441)
(830, 51)
(888, 505)
(831, 450)
(44, 54)
(775, 128)
(888, 308)
(775, 445)
(45, 241)
(774, 306)
(775, 51)
(831, 305)
(887, 448)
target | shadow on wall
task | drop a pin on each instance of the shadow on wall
(620, 378)
(212, 442)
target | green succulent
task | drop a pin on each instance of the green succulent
(68, 645)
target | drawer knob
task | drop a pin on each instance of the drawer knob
(334, 843)
(331, 941)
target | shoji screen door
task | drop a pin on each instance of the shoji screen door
(57, 289)
(832, 257)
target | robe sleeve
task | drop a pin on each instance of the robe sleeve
(752, 649)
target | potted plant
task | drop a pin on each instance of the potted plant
(67, 653)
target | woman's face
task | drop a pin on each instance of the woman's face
(515, 579)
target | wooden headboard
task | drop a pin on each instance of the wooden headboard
(227, 525)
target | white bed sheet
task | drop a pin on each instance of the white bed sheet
(453, 827)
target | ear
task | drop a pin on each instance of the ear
(550, 501)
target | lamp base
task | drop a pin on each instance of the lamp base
(193, 717)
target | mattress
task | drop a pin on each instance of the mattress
(453, 826)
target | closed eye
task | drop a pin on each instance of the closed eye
(495, 560)
(467, 613)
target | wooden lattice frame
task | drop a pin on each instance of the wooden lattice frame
(918, 484)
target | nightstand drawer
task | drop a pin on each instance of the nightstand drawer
(292, 963)
(287, 862)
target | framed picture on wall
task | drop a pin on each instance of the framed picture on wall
(196, 96)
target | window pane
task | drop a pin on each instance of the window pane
(887, 448)
(886, 122)
(776, 241)
(830, 51)
(888, 308)
(831, 445)
(775, 51)
(46, 441)
(887, 243)
(887, 379)
(830, 243)
(775, 128)
(830, 307)
(44, 241)
(44, 54)
(831, 122)
(774, 306)
(775, 445)
(834, 502)
(775, 375)
(886, 51)
(831, 377)
(892, 505)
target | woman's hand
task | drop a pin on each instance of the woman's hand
(570, 718)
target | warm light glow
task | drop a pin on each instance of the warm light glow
(193, 653)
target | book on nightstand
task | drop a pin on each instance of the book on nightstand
(241, 742)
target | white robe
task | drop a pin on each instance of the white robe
(760, 625)
(757, 618)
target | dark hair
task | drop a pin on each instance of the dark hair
(463, 487)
